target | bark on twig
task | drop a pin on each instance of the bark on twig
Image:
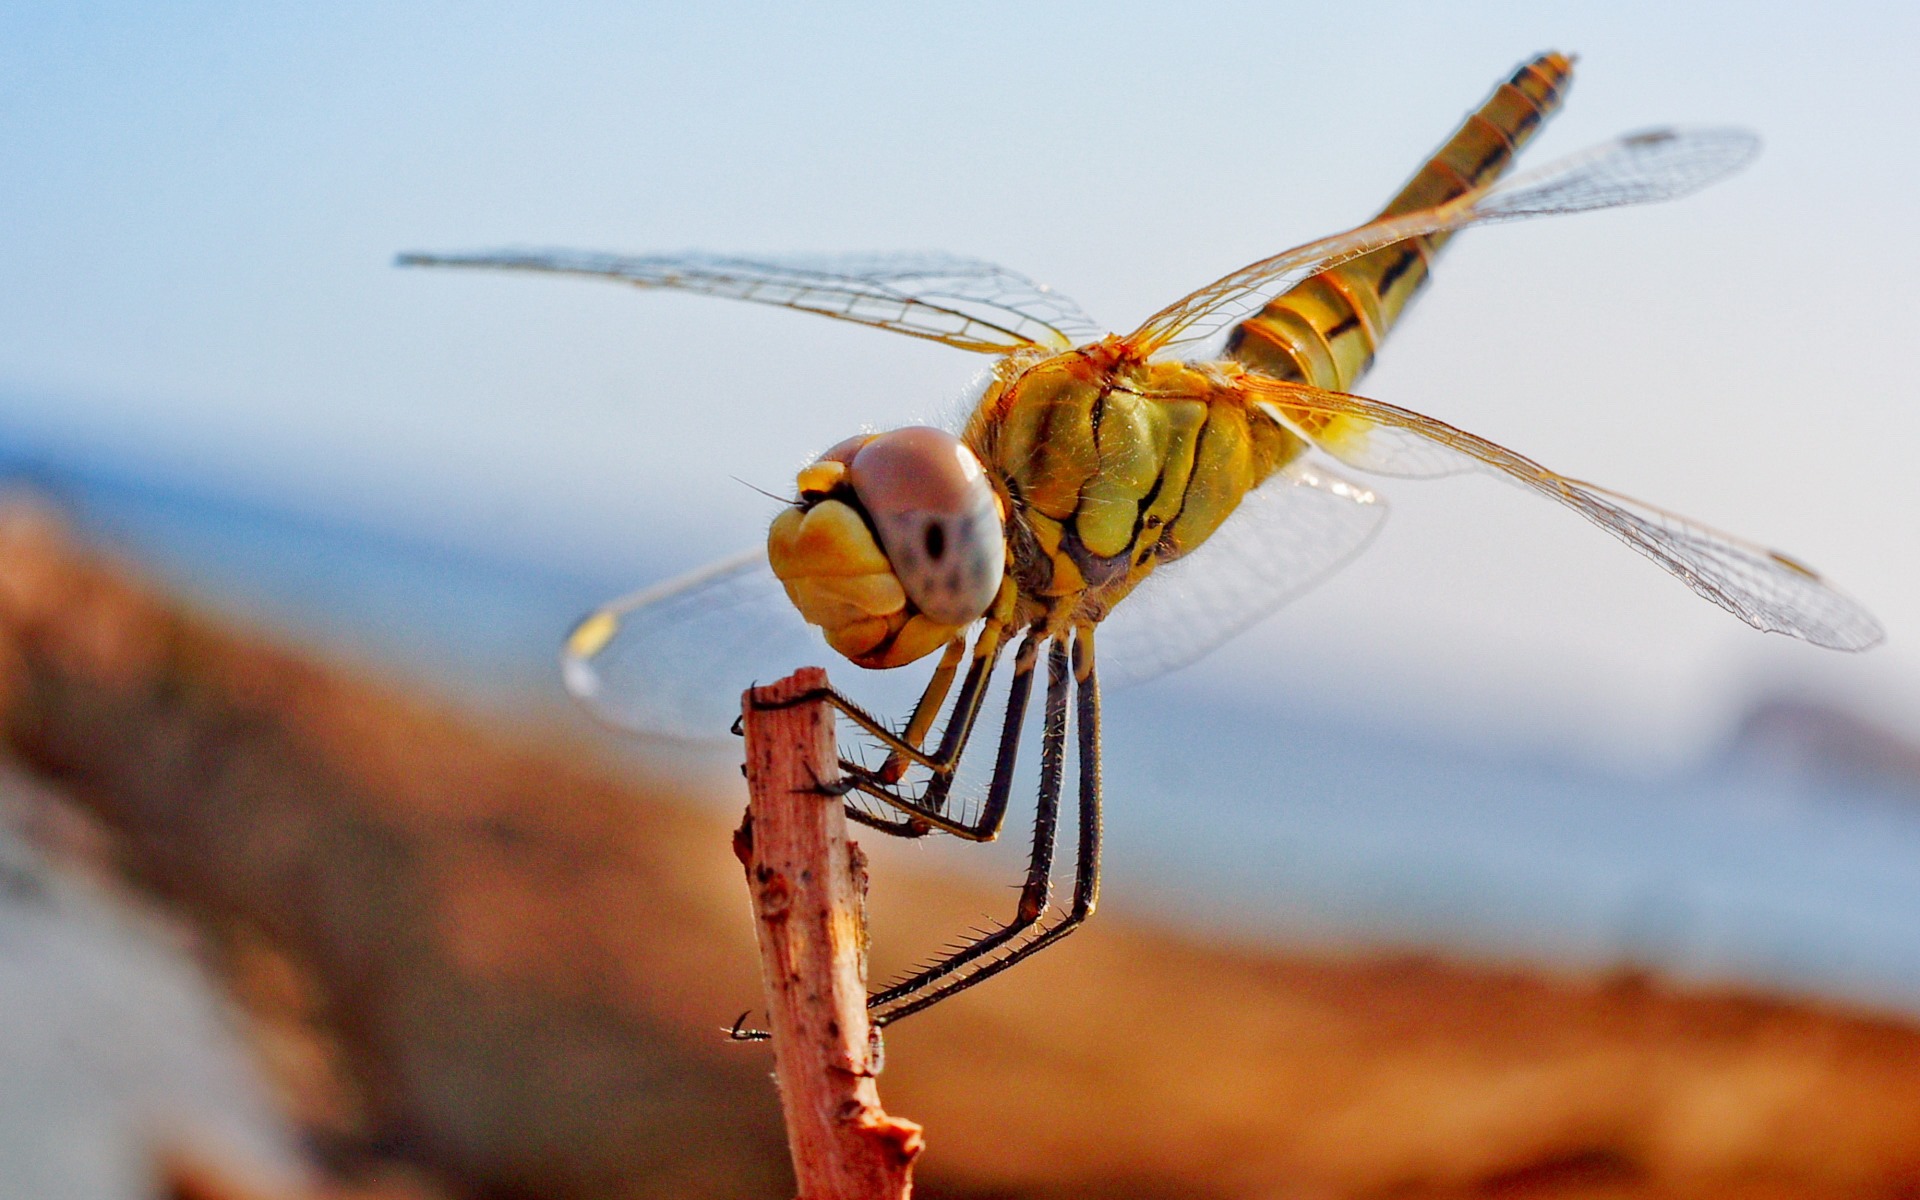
(809, 901)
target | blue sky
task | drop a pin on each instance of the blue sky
(200, 203)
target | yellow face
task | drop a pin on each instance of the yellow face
(895, 546)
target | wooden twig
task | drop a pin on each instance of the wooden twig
(809, 888)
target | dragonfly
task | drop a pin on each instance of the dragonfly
(1163, 489)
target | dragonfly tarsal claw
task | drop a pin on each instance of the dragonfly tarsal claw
(906, 827)
(738, 1031)
(836, 789)
(793, 701)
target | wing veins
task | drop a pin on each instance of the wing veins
(1636, 168)
(1766, 589)
(873, 296)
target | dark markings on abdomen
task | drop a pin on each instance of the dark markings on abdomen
(1309, 333)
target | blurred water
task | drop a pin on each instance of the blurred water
(1248, 815)
(1727, 871)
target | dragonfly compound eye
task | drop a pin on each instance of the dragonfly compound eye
(930, 501)
(894, 546)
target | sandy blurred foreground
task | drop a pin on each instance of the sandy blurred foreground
(473, 963)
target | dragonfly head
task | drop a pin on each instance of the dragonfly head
(895, 545)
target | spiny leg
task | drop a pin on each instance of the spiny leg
(1086, 884)
(1019, 690)
(1000, 787)
(986, 652)
(1037, 890)
(904, 827)
(930, 807)
(922, 814)
(926, 709)
(986, 826)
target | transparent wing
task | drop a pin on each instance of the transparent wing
(1762, 587)
(1638, 168)
(963, 302)
(1287, 535)
(673, 659)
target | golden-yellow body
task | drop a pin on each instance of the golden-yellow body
(1090, 461)
(1113, 466)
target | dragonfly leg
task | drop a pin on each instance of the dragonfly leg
(942, 760)
(904, 827)
(939, 981)
(1045, 822)
(929, 808)
(907, 827)
(926, 709)
(1036, 892)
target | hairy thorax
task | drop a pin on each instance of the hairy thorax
(1111, 467)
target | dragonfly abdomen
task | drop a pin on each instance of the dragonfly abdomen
(1326, 330)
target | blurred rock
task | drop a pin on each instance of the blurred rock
(1813, 740)
(495, 944)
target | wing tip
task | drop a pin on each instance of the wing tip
(1858, 638)
(582, 645)
(1850, 628)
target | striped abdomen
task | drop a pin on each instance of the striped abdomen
(1326, 330)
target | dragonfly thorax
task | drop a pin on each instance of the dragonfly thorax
(895, 545)
(1115, 467)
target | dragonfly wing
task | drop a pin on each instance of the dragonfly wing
(1637, 168)
(673, 659)
(1764, 588)
(963, 302)
(1287, 535)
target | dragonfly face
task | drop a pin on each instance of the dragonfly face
(894, 547)
(1093, 462)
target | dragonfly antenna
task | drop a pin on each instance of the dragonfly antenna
(789, 502)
